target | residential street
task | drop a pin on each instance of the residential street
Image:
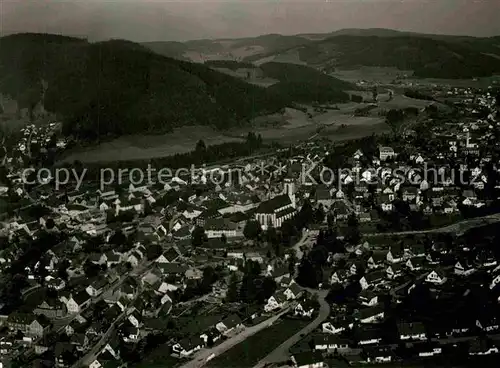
(281, 353)
(307, 240)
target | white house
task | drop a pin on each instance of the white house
(436, 277)
(277, 301)
(386, 153)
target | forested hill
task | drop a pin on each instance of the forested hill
(119, 87)
(428, 56)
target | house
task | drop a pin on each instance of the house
(308, 359)
(64, 354)
(29, 324)
(415, 264)
(395, 254)
(229, 324)
(415, 250)
(412, 331)
(51, 308)
(75, 304)
(371, 314)
(216, 228)
(277, 301)
(188, 346)
(367, 336)
(338, 277)
(394, 270)
(304, 309)
(378, 354)
(279, 273)
(464, 268)
(368, 298)
(325, 341)
(169, 256)
(427, 349)
(376, 260)
(96, 288)
(483, 347)
(212, 335)
(285, 282)
(385, 202)
(336, 327)
(487, 323)
(292, 292)
(436, 277)
(386, 153)
(371, 279)
(409, 193)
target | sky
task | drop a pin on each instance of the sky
(180, 20)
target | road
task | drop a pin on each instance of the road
(307, 240)
(459, 228)
(281, 353)
(61, 323)
(91, 355)
(200, 358)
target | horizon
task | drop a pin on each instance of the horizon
(188, 20)
(403, 33)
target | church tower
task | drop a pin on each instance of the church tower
(290, 190)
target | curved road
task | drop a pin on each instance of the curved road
(281, 353)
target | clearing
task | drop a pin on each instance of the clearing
(143, 147)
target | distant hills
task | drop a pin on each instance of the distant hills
(119, 87)
(428, 55)
(107, 89)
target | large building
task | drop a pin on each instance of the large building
(274, 212)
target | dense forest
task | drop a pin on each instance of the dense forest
(431, 58)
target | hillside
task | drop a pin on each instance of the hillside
(304, 84)
(118, 87)
(226, 49)
(426, 56)
(429, 55)
(171, 49)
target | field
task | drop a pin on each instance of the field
(291, 57)
(383, 75)
(386, 75)
(150, 146)
(256, 347)
(292, 126)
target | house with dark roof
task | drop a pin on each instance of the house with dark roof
(371, 279)
(188, 346)
(308, 359)
(229, 324)
(276, 301)
(371, 314)
(412, 331)
(28, 324)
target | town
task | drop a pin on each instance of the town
(371, 251)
